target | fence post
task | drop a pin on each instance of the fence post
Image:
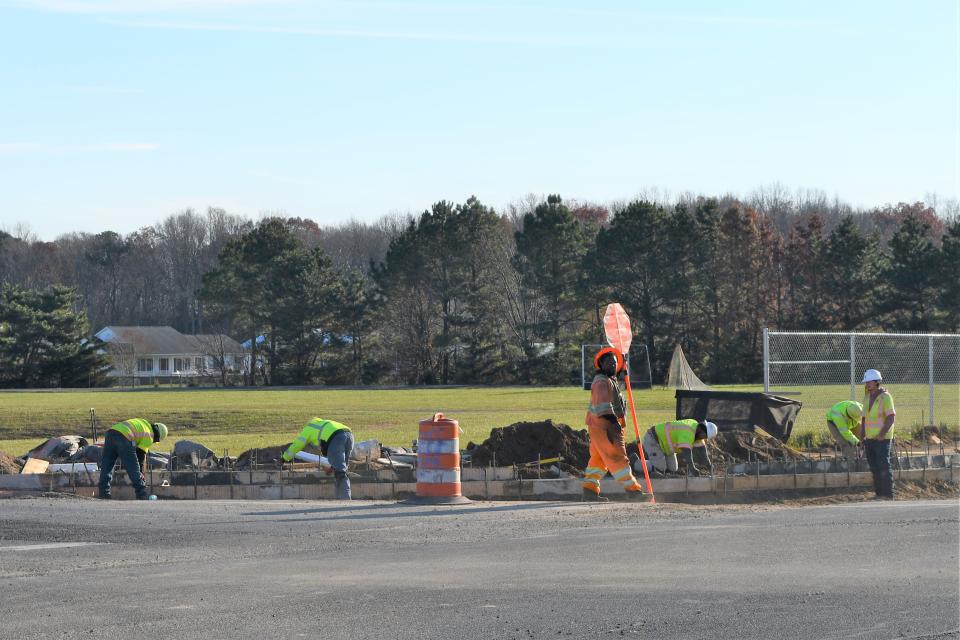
(226, 463)
(853, 366)
(766, 360)
(930, 375)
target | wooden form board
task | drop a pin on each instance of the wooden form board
(35, 465)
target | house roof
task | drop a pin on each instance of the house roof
(206, 341)
(164, 340)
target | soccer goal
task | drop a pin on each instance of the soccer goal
(638, 365)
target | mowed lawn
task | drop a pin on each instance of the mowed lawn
(240, 419)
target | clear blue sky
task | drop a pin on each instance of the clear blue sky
(116, 113)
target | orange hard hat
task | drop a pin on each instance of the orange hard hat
(616, 354)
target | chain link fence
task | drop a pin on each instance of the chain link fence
(921, 371)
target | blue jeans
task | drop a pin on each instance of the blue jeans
(338, 452)
(878, 457)
(116, 446)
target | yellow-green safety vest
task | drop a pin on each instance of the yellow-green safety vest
(136, 430)
(875, 414)
(843, 422)
(676, 434)
(314, 432)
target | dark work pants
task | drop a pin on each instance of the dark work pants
(878, 457)
(115, 446)
(338, 453)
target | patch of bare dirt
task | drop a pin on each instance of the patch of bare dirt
(747, 446)
(9, 464)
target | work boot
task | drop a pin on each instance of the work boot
(104, 497)
(634, 496)
(593, 496)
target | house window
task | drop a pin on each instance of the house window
(145, 365)
(198, 364)
(178, 364)
(164, 365)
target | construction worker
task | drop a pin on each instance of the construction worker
(843, 419)
(129, 441)
(605, 420)
(878, 423)
(662, 442)
(335, 441)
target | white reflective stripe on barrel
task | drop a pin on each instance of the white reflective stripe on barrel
(438, 446)
(438, 476)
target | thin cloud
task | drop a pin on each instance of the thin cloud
(348, 33)
(139, 6)
(97, 147)
(101, 89)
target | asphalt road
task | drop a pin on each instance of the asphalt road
(73, 568)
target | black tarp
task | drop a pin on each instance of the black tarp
(738, 410)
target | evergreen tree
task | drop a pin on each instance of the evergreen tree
(912, 288)
(550, 250)
(638, 265)
(269, 284)
(851, 268)
(44, 342)
(949, 277)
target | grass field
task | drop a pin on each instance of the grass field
(240, 419)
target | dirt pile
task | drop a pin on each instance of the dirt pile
(9, 464)
(523, 441)
(747, 446)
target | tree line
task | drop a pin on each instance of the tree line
(464, 294)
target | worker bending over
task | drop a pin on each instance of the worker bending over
(335, 441)
(605, 419)
(130, 441)
(843, 421)
(662, 442)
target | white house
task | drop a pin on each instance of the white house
(142, 353)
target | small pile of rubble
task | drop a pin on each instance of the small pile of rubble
(9, 464)
(750, 446)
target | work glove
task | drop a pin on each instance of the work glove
(143, 479)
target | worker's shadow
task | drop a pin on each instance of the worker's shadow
(378, 511)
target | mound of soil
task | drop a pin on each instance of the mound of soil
(523, 441)
(747, 446)
(9, 464)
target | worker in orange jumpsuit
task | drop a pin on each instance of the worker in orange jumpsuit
(605, 421)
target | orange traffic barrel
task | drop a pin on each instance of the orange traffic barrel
(438, 462)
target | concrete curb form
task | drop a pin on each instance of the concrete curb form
(270, 485)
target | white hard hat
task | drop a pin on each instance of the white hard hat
(711, 429)
(871, 375)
